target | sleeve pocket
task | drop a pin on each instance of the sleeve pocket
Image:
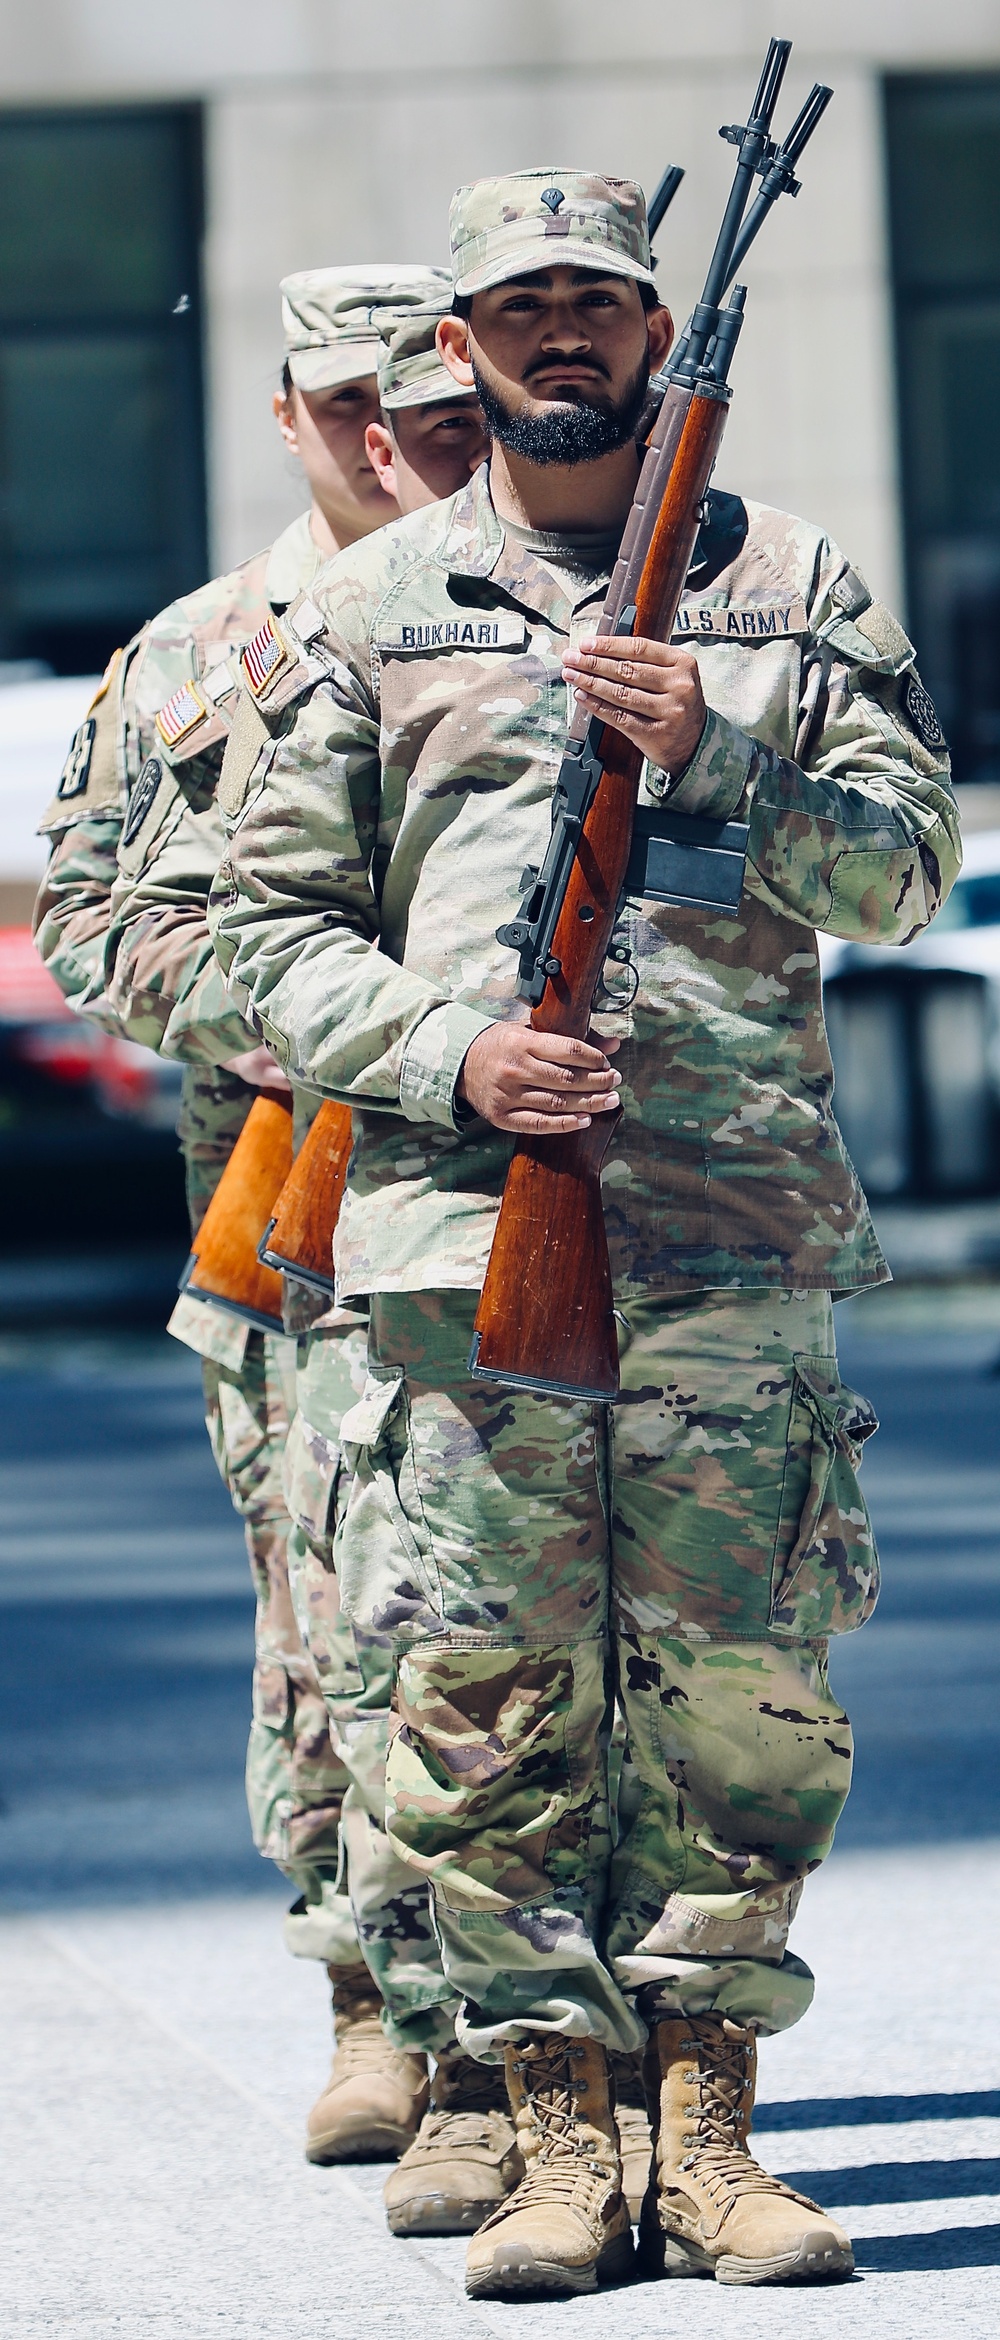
(826, 1577)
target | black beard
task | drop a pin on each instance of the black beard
(567, 434)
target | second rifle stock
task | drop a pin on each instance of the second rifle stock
(299, 1237)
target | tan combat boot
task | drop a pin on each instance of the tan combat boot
(375, 2097)
(713, 2210)
(463, 2160)
(566, 2227)
(633, 2131)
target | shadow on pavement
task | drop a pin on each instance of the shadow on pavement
(857, 2112)
(897, 2181)
(925, 2254)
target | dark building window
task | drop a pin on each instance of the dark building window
(944, 182)
(102, 474)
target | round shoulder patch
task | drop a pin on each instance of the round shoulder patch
(141, 799)
(923, 713)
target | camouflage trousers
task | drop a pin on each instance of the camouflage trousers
(391, 1907)
(687, 1552)
(295, 1779)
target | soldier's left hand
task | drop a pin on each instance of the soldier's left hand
(647, 690)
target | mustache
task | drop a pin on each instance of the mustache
(551, 365)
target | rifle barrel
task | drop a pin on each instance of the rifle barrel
(660, 202)
(770, 82)
(754, 143)
(780, 179)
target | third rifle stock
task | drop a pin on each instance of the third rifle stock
(546, 1316)
(299, 1237)
(224, 1267)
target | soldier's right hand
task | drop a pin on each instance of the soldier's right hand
(538, 1083)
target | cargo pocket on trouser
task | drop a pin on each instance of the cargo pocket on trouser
(268, 1775)
(248, 1425)
(826, 1577)
(386, 1569)
(310, 1477)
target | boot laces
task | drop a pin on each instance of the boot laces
(455, 2132)
(462, 2086)
(724, 2164)
(568, 2147)
(360, 2040)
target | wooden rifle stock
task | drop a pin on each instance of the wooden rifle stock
(224, 1267)
(299, 1237)
(546, 1316)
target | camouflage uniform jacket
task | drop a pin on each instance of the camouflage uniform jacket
(105, 830)
(401, 780)
(140, 789)
(162, 977)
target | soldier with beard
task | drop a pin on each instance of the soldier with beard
(694, 1547)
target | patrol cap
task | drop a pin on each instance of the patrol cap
(547, 219)
(328, 315)
(410, 372)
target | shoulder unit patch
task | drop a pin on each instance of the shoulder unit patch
(922, 713)
(265, 655)
(180, 715)
(76, 769)
(141, 799)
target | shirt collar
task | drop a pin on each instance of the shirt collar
(476, 545)
(293, 562)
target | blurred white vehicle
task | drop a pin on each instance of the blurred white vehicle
(38, 716)
(88, 1147)
(915, 1036)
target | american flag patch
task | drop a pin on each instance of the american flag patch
(181, 713)
(264, 654)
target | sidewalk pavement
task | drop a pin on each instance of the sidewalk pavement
(161, 2063)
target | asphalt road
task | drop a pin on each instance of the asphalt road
(161, 2049)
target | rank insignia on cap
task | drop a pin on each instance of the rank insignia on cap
(923, 714)
(181, 713)
(552, 197)
(265, 654)
(141, 800)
